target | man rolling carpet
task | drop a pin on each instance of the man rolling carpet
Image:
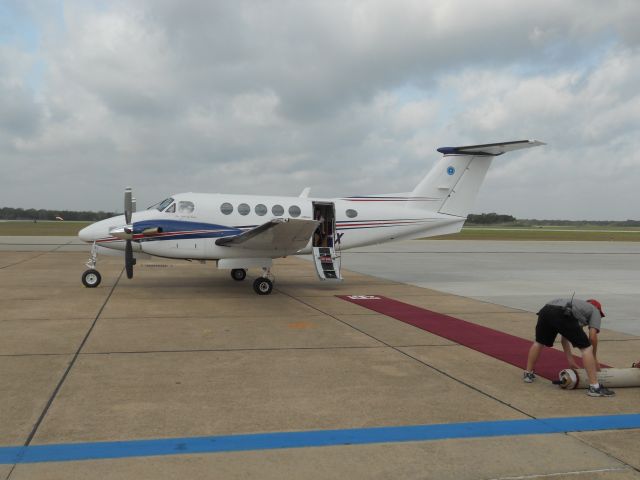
(568, 317)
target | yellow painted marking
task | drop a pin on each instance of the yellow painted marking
(300, 325)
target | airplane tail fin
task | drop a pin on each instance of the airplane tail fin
(453, 183)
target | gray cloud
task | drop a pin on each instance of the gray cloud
(348, 97)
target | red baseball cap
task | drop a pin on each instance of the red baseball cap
(596, 304)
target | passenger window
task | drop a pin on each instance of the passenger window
(226, 208)
(244, 209)
(351, 213)
(185, 207)
(261, 209)
(171, 209)
(294, 211)
(277, 210)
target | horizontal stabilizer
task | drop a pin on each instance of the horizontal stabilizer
(282, 235)
(453, 183)
(490, 148)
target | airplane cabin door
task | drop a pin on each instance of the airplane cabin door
(325, 258)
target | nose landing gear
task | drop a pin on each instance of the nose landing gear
(91, 278)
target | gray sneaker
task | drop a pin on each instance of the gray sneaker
(528, 377)
(600, 391)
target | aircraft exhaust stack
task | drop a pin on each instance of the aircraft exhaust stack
(150, 232)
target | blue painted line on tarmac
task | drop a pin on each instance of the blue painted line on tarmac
(321, 438)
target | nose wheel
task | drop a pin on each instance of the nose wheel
(91, 278)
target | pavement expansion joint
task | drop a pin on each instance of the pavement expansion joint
(442, 372)
(468, 385)
(40, 254)
(70, 366)
(204, 350)
(604, 452)
(563, 474)
(25, 260)
(12, 355)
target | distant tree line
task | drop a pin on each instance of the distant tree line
(496, 219)
(489, 219)
(8, 213)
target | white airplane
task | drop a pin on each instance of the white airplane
(239, 232)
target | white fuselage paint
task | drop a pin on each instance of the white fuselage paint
(379, 219)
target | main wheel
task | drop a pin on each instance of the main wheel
(238, 274)
(91, 278)
(263, 286)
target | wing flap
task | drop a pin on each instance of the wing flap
(280, 235)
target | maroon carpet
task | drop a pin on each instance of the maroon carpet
(505, 347)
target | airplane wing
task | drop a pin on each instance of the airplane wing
(281, 235)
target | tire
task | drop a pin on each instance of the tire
(263, 286)
(238, 274)
(91, 278)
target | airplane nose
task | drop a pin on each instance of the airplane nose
(85, 235)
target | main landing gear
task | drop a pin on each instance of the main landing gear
(238, 274)
(262, 285)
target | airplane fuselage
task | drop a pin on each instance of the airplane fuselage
(191, 228)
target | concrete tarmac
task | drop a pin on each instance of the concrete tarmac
(522, 275)
(183, 351)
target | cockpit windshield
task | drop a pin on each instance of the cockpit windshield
(162, 205)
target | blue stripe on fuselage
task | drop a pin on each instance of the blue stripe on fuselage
(182, 230)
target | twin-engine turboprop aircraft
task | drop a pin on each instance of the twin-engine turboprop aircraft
(239, 232)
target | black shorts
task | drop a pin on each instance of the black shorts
(552, 321)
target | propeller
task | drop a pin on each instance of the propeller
(129, 208)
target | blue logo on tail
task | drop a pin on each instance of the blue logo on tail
(451, 170)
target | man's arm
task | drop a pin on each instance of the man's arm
(566, 346)
(593, 338)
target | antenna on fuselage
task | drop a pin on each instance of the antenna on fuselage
(305, 192)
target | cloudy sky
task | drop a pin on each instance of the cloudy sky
(347, 97)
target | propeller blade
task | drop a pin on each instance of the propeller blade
(129, 261)
(126, 232)
(128, 204)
